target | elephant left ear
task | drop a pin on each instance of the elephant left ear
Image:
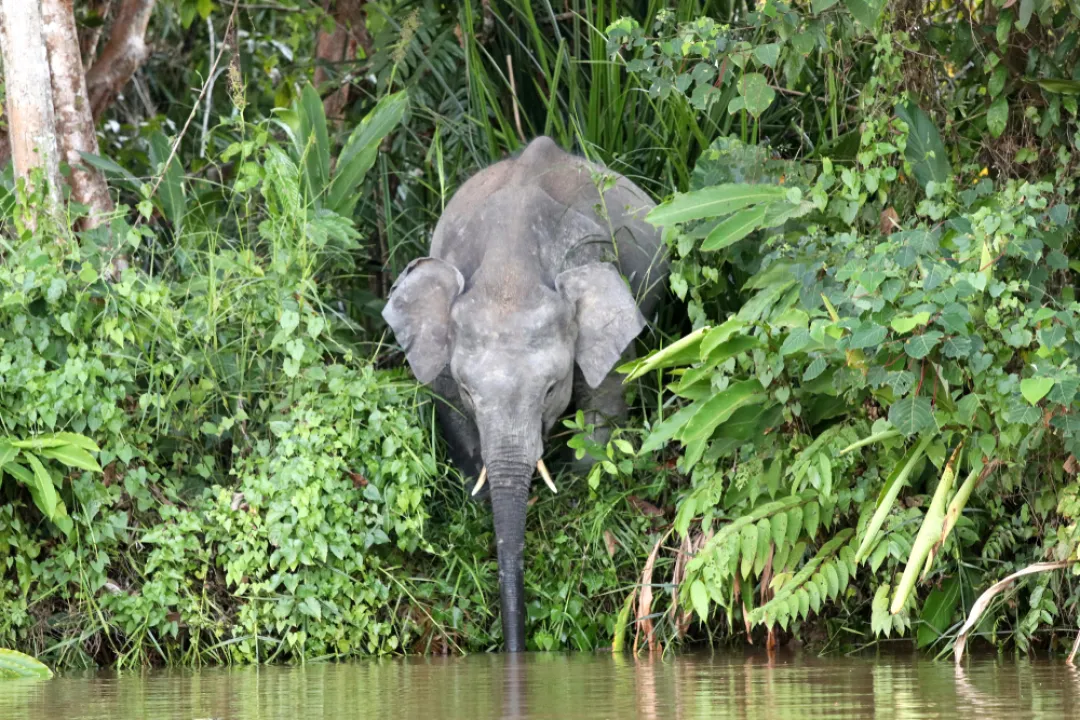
(608, 318)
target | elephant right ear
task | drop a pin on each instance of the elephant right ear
(418, 311)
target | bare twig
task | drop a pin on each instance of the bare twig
(202, 94)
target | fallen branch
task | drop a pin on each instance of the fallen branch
(984, 600)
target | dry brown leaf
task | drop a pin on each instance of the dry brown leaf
(984, 600)
(889, 221)
(644, 609)
(610, 543)
(1070, 465)
(645, 507)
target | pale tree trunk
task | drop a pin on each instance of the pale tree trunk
(29, 97)
(74, 122)
(123, 54)
(339, 46)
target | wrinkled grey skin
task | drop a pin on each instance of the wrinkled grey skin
(524, 283)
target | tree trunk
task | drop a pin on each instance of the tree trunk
(31, 124)
(74, 123)
(124, 53)
(337, 47)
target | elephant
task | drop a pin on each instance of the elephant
(539, 262)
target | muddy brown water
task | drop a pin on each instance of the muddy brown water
(535, 686)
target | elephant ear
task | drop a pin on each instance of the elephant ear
(608, 318)
(418, 311)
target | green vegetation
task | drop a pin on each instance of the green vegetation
(862, 413)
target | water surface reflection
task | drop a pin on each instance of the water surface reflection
(589, 687)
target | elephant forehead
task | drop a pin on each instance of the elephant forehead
(479, 322)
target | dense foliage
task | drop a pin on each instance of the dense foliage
(862, 414)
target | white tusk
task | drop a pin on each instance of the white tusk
(480, 482)
(546, 475)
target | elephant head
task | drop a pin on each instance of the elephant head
(511, 341)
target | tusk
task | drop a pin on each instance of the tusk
(480, 482)
(546, 475)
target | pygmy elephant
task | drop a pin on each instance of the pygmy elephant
(525, 278)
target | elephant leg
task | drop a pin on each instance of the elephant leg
(462, 437)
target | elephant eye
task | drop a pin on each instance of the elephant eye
(550, 390)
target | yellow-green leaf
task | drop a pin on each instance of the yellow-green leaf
(41, 488)
(906, 323)
(14, 664)
(929, 532)
(699, 596)
(72, 457)
(1035, 389)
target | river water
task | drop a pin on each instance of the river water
(535, 686)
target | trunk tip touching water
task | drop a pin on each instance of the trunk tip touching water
(509, 487)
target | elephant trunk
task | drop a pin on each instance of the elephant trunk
(509, 479)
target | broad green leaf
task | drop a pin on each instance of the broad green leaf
(719, 408)
(997, 117)
(720, 334)
(867, 335)
(748, 542)
(313, 142)
(925, 150)
(1027, 7)
(929, 532)
(8, 452)
(920, 346)
(731, 348)
(14, 664)
(42, 489)
(618, 640)
(171, 190)
(1035, 389)
(866, 12)
(820, 6)
(1059, 86)
(911, 415)
(767, 53)
(683, 351)
(112, 170)
(904, 324)
(72, 457)
(756, 94)
(895, 482)
(714, 201)
(811, 518)
(663, 433)
(937, 612)
(779, 529)
(362, 149)
(735, 228)
(699, 596)
(80, 441)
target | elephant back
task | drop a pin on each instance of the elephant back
(600, 215)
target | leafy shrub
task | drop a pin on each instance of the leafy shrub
(883, 355)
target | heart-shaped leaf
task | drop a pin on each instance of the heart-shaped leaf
(1035, 389)
(911, 415)
(756, 94)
